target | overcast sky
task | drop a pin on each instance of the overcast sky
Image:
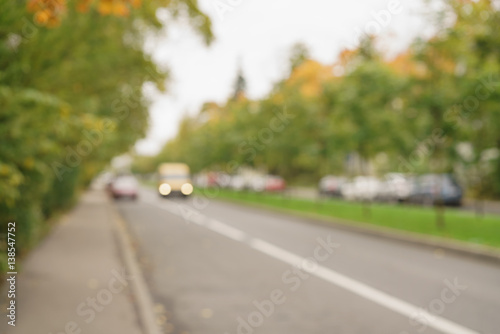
(258, 35)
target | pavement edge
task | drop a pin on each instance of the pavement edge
(140, 290)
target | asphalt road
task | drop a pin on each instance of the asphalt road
(215, 267)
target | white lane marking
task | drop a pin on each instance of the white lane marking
(363, 290)
(226, 230)
(379, 297)
(198, 219)
(276, 252)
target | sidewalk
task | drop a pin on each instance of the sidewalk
(75, 281)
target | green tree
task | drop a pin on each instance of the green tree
(71, 97)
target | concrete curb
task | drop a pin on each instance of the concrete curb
(142, 296)
(455, 246)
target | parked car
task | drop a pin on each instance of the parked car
(124, 186)
(237, 182)
(256, 182)
(362, 188)
(220, 179)
(274, 183)
(331, 185)
(395, 187)
(434, 188)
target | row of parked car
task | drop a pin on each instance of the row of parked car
(249, 180)
(395, 187)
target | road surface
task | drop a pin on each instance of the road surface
(215, 267)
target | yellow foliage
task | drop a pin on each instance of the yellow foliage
(404, 64)
(64, 112)
(29, 163)
(278, 98)
(310, 76)
(114, 7)
(4, 170)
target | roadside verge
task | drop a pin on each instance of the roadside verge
(435, 242)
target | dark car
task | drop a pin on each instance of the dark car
(433, 189)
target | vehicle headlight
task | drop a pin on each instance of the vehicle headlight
(165, 189)
(187, 189)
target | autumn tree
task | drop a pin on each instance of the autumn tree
(71, 78)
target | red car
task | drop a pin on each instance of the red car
(275, 183)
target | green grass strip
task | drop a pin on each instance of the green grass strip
(458, 224)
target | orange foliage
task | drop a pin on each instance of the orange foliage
(83, 6)
(404, 64)
(310, 75)
(113, 7)
(49, 12)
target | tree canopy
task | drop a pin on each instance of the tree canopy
(433, 108)
(71, 94)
